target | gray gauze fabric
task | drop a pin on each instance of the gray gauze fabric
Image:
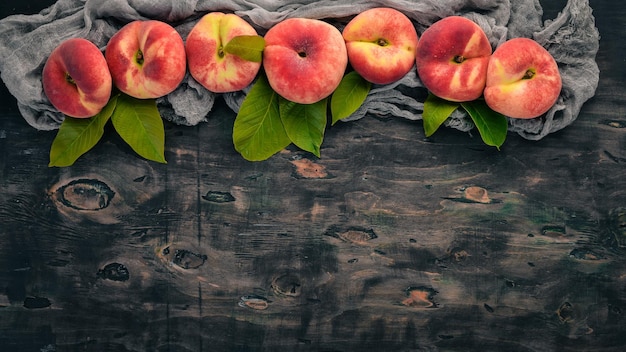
(572, 38)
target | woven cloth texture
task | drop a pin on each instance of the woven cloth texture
(572, 38)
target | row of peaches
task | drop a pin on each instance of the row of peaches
(304, 61)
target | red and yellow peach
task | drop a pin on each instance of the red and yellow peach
(147, 59)
(452, 59)
(523, 79)
(76, 78)
(209, 64)
(381, 44)
(304, 59)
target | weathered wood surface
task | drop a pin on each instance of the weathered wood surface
(388, 242)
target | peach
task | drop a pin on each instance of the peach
(523, 79)
(208, 64)
(147, 59)
(452, 59)
(304, 59)
(76, 78)
(381, 44)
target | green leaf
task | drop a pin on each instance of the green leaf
(258, 132)
(247, 47)
(436, 112)
(305, 123)
(491, 125)
(349, 96)
(77, 136)
(140, 125)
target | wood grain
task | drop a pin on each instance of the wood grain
(390, 241)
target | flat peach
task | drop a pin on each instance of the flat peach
(523, 79)
(381, 44)
(452, 59)
(304, 59)
(147, 59)
(76, 78)
(215, 69)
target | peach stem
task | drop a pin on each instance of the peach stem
(69, 78)
(139, 57)
(529, 74)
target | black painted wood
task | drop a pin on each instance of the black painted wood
(390, 241)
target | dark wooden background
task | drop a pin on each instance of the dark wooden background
(388, 242)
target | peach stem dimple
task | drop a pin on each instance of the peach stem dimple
(139, 57)
(69, 78)
(458, 59)
(530, 73)
(382, 42)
